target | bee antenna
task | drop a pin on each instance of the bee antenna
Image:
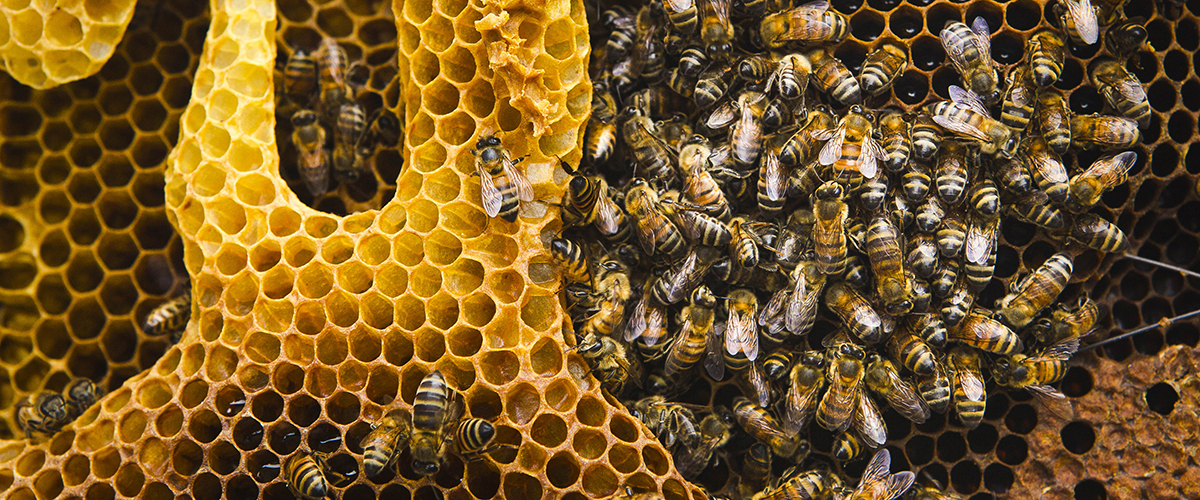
(1186, 272)
(1163, 323)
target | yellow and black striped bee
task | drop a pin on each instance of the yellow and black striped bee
(300, 78)
(1122, 90)
(772, 183)
(351, 125)
(1037, 371)
(845, 373)
(912, 351)
(829, 233)
(647, 325)
(759, 424)
(1104, 174)
(590, 199)
(1011, 176)
(332, 66)
(652, 155)
(1123, 40)
(855, 312)
(716, 32)
(883, 247)
(1103, 132)
(305, 475)
(668, 421)
(308, 136)
(574, 261)
(622, 25)
(713, 84)
(745, 135)
(613, 363)
(1036, 291)
(922, 258)
(878, 483)
(980, 331)
(45, 413)
(1077, 320)
(945, 278)
(979, 252)
(834, 78)
(1096, 233)
(714, 433)
(756, 470)
(935, 388)
(653, 228)
(1047, 53)
(79, 395)
(435, 407)
(611, 291)
(810, 24)
(896, 140)
(675, 284)
(916, 182)
(847, 446)
(473, 438)
(682, 14)
(801, 144)
(385, 442)
(926, 138)
(970, 50)
(1053, 119)
(984, 198)
(952, 171)
(600, 136)
(952, 236)
(777, 364)
(804, 394)
(800, 310)
(851, 151)
(1035, 208)
(502, 186)
(170, 317)
(796, 484)
(883, 379)
(967, 378)
(1078, 19)
(967, 116)
(881, 68)
(791, 76)
(1019, 98)
(741, 330)
(699, 186)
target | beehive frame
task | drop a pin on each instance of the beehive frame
(298, 312)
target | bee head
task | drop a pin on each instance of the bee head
(53, 407)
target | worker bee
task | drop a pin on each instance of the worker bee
(745, 136)
(612, 291)
(1011, 176)
(300, 78)
(1054, 120)
(772, 184)
(756, 470)
(704, 229)
(305, 475)
(984, 198)
(801, 306)
(1122, 90)
(600, 136)
(675, 284)
(922, 297)
(851, 150)
(1103, 132)
(501, 186)
(935, 388)
(855, 312)
(668, 421)
(1019, 97)
(968, 393)
(647, 326)
(1037, 371)
(46, 413)
(79, 395)
(922, 258)
(435, 407)
(958, 304)
(351, 125)
(945, 278)
(1036, 291)
(741, 331)
(1078, 20)
(878, 484)
(912, 352)
(622, 25)
(966, 116)
(794, 484)
(872, 193)
(834, 78)
(979, 251)
(777, 364)
(1035, 208)
(332, 65)
(574, 262)
(952, 236)
(926, 138)
(713, 84)
(901, 212)
(916, 181)
(980, 331)
(883, 378)
(760, 425)
(1096, 233)
(847, 446)
(1104, 174)
(1126, 38)
(383, 129)
(692, 61)
(652, 155)
(804, 393)
(473, 437)
(589, 197)
(800, 145)
(1078, 320)
(896, 141)
(1047, 53)
(714, 431)
(811, 23)
(385, 442)
(699, 186)
(696, 328)
(882, 66)
(170, 316)
(654, 230)
(791, 76)
(952, 172)
(887, 260)
(309, 138)
(845, 373)
(715, 29)
(831, 211)
(929, 327)
(612, 362)
(682, 14)
(970, 49)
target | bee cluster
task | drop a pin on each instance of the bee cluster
(47, 412)
(330, 127)
(737, 176)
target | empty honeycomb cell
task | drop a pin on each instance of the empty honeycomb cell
(321, 381)
(53, 297)
(522, 403)
(540, 311)
(623, 428)
(352, 375)
(52, 339)
(85, 319)
(30, 376)
(231, 259)
(265, 255)
(443, 310)
(354, 277)
(303, 410)
(425, 280)
(314, 281)
(341, 309)
(298, 251)
(342, 408)
(337, 249)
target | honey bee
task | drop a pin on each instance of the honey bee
(79, 395)
(170, 316)
(713, 84)
(647, 325)
(714, 433)
(696, 326)
(946, 278)
(332, 66)
(1012, 176)
(811, 23)
(984, 333)
(922, 258)
(922, 296)
(385, 442)
(574, 262)
(600, 136)
(834, 78)
(435, 407)
(966, 116)
(1122, 90)
(926, 138)
(935, 388)
(750, 380)
(959, 303)
(883, 378)
(801, 306)
(872, 193)
(883, 65)
(930, 490)
(622, 25)
(1019, 97)
(741, 331)
(745, 136)
(1079, 320)
(305, 475)
(801, 485)
(45, 413)
(300, 78)
(916, 181)
(1104, 174)
(851, 150)
(675, 284)
(612, 292)
(772, 184)
(878, 484)
(1096, 233)
(351, 124)
(699, 186)
(1037, 371)
(797, 149)
(912, 352)
(473, 438)
(1123, 40)
(970, 49)
(670, 422)
(1078, 20)
(791, 76)
(654, 230)
(952, 236)
(1047, 53)
(501, 186)
(887, 260)
(901, 212)
(716, 32)
(1103, 132)
(652, 155)
(984, 198)
(804, 394)
(1036, 291)
(309, 138)
(777, 364)
(704, 229)
(845, 374)
(589, 197)
(760, 425)
(612, 362)
(855, 312)
(682, 14)
(980, 253)
(952, 172)
(1035, 208)
(847, 446)
(896, 141)
(829, 236)
(968, 393)
(383, 129)
(756, 470)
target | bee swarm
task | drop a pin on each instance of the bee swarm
(287, 330)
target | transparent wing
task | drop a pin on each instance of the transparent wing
(1053, 400)
(741, 335)
(905, 400)
(897, 485)
(877, 470)
(1061, 350)
(968, 99)
(971, 384)
(832, 149)
(869, 423)
(960, 127)
(490, 194)
(774, 176)
(714, 361)
(1085, 20)
(524, 189)
(983, 38)
(871, 153)
(979, 242)
(637, 321)
(723, 116)
(679, 5)
(608, 216)
(801, 404)
(954, 50)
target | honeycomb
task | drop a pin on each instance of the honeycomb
(48, 44)
(307, 326)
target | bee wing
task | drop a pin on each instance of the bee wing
(608, 216)
(632, 366)
(801, 404)
(980, 242)
(832, 149)
(1021, 96)
(637, 320)
(773, 307)
(646, 233)
(960, 127)
(1085, 20)
(754, 386)
(869, 423)
(741, 335)
(983, 38)
(813, 10)
(774, 176)
(954, 51)
(876, 471)
(714, 361)
(679, 5)
(1053, 400)
(905, 400)
(968, 99)
(971, 384)
(720, 8)
(871, 153)
(1061, 350)
(897, 484)
(802, 305)
(1049, 167)
(723, 116)
(490, 194)
(524, 189)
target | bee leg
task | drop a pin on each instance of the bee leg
(519, 159)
